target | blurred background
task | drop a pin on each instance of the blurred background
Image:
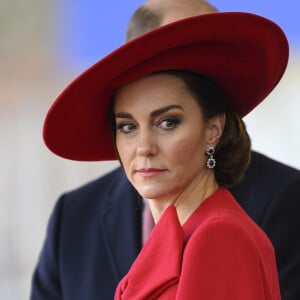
(43, 46)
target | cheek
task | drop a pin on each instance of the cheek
(187, 150)
(124, 149)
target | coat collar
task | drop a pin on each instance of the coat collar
(120, 217)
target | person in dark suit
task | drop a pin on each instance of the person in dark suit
(94, 233)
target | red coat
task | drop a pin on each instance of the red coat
(219, 253)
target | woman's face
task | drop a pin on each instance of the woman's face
(161, 135)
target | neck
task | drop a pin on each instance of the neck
(187, 200)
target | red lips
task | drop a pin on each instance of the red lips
(150, 172)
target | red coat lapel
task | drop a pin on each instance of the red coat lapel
(158, 265)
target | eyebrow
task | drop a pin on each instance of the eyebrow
(154, 113)
(164, 109)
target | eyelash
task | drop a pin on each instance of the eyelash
(173, 120)
(121, 126)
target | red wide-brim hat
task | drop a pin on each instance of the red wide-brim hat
(244, 53)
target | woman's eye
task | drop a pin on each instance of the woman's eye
(169, 123)
(126, 127)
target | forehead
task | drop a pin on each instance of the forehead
(158, 87)
(152, 92)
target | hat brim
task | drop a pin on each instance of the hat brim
(244, 53)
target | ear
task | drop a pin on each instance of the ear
(215, 127)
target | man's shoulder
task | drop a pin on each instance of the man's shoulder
(271, 170)
(83, 205)
(266, 182)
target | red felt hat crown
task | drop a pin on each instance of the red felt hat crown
(244, 53)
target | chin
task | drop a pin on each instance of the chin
(152, 192)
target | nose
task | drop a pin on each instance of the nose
(147, 145)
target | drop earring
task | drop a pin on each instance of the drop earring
(211, 162)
